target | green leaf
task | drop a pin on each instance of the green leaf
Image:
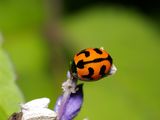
(10, 95)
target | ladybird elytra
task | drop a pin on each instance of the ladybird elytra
(91, 64)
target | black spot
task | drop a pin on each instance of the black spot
(80, 64)
(98, 60)
(102, 70)
(89, 76)
(87, 54)
(97, 50)
(110, 59)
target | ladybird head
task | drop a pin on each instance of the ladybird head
(73, 69)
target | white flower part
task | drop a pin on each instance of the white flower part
(68, 75)
(112, 70)
(69, 85)
(102, 48)
(37, 103)
(38, 110)
(39, 114)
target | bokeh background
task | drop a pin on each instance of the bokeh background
(41, 37)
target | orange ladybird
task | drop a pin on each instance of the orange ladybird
(91, 64)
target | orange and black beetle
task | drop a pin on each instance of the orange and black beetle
(91, 64)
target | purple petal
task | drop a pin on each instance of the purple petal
(56, 107)
(73, 104)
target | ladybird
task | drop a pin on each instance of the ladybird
(91, 64)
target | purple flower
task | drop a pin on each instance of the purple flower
(72, 105)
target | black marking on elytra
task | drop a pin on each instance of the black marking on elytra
(87, 53)
(81, 63)
(97, 50)
(89, 76)
(109, 59)
(97, 60)
(102, 70)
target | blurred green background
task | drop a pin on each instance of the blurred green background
(41, 38)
